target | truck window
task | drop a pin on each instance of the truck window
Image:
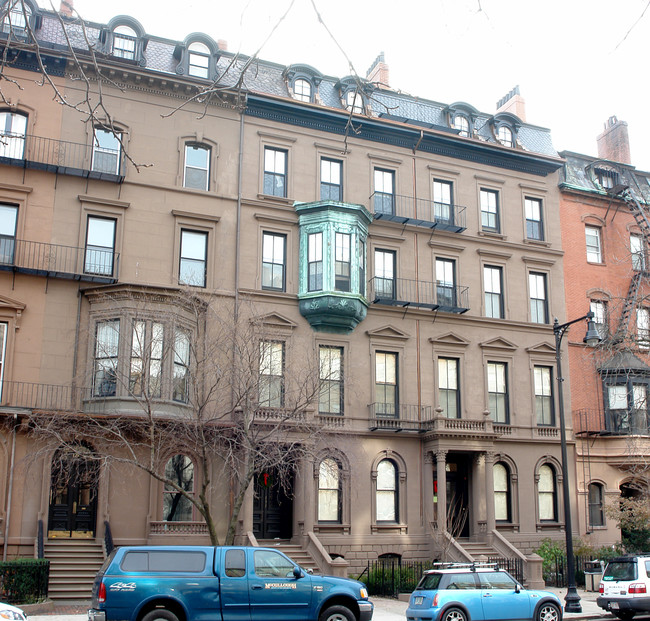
(272, 564)
(164, 561)
(235, 563)
(135, 561)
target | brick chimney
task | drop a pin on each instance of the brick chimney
(614, 142)
(513, 103)
(378, 72)
(66, 7)
(222, 44)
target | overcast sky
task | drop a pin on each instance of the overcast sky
(577, 62)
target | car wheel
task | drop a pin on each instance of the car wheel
(337, 613)
(454, 614)
(160, 614)
(624, 614)
(548, 612)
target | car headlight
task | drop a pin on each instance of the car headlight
(363, 592)
(12, 614)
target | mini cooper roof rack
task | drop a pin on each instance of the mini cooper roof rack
(471, 566)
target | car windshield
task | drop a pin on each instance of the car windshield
(429, 582)
(625, 570)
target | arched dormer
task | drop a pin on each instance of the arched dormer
(303, 82)
(505, 127)
(355, 94)
(462, 117)
(197, 56)
(124, 38)
(17, 21)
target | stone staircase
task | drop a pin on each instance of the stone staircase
(73, 565)
(479, 551)
(293, 551)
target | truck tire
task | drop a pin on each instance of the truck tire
(336, 613)
(160, 614)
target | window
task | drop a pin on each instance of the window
(8, 221)
(124, 42)
(502, 504)
(272, 564)
(538, 303)
(302, 90)
(331, 188)
(448, 391)
(273, 261)
(354, 101)
(275, 172)
(198, 59)
(100, 246)
(446, 282)
(544, 406)
(13, 128)
(643, 327)
(387, 501)
(106, 151)
(461, 123)
(271, 374)
(329, 491)
(193, 260)
(197, 167)
(599, 309)
(492, 282)
(596, 505)
(146, 358)
(498, 392)
(362, 267)
(179, 470)
(534, 224)
(235, 563)
(107, 339)
(546, 494)
(385, 273)
(505, 137)
(384, 196)
(315, 262)
(330, 399)
(637, 251)
(386, 397)
(3, 353)
(606, 178)
(342, 262)
(181, 371)
(490, 210)
(442, 201)
(592, 237)
(15, 20)
(627, 405)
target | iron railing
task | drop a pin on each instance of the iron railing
(418, 211)
(635, 421)
(419, 293)
(60, 156)
(399, 417)
(57, 261)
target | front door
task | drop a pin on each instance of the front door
(457, 496)
(273, 507)
(73, 497)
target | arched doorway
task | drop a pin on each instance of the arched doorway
(73, 493)
(273, 506)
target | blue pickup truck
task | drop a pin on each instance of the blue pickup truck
(196, 583)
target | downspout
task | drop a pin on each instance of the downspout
(239, 193)
(11, 486)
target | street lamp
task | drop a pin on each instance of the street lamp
(592, 338)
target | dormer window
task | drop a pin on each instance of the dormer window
(461, 123)
(15, 21)
(302, 90)
(461, 117)
(354, 102)
(124, 42)
(505, 136)
(199, 59)
(302, 82)
(606, 178)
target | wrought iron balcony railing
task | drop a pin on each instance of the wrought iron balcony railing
(406, 292)
(399, 417)
(623, 422)
(418, 211)
(90, 264)
(60, 156)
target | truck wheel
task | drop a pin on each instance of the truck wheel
(625, 614)
(336, 613)
(160, 614)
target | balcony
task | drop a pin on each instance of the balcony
(418, 212)
(56, 261)
(60, 157)
(402, 417)
(619, 422)
(421, 294)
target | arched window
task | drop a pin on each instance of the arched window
(329, 491)
(124, 42)
(596, 505)
(461, 123)
(387, 491)
(13, 127)
(505, 136)
(302, 90)
(502, 501)
(354, 101)
(176, 506)
(547, 494)
(199, 59)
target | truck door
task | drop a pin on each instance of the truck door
(235, 603)
(275, 593)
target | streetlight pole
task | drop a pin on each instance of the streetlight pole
(592, 338)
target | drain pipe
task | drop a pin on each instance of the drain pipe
(11, 486)
(239, 193)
